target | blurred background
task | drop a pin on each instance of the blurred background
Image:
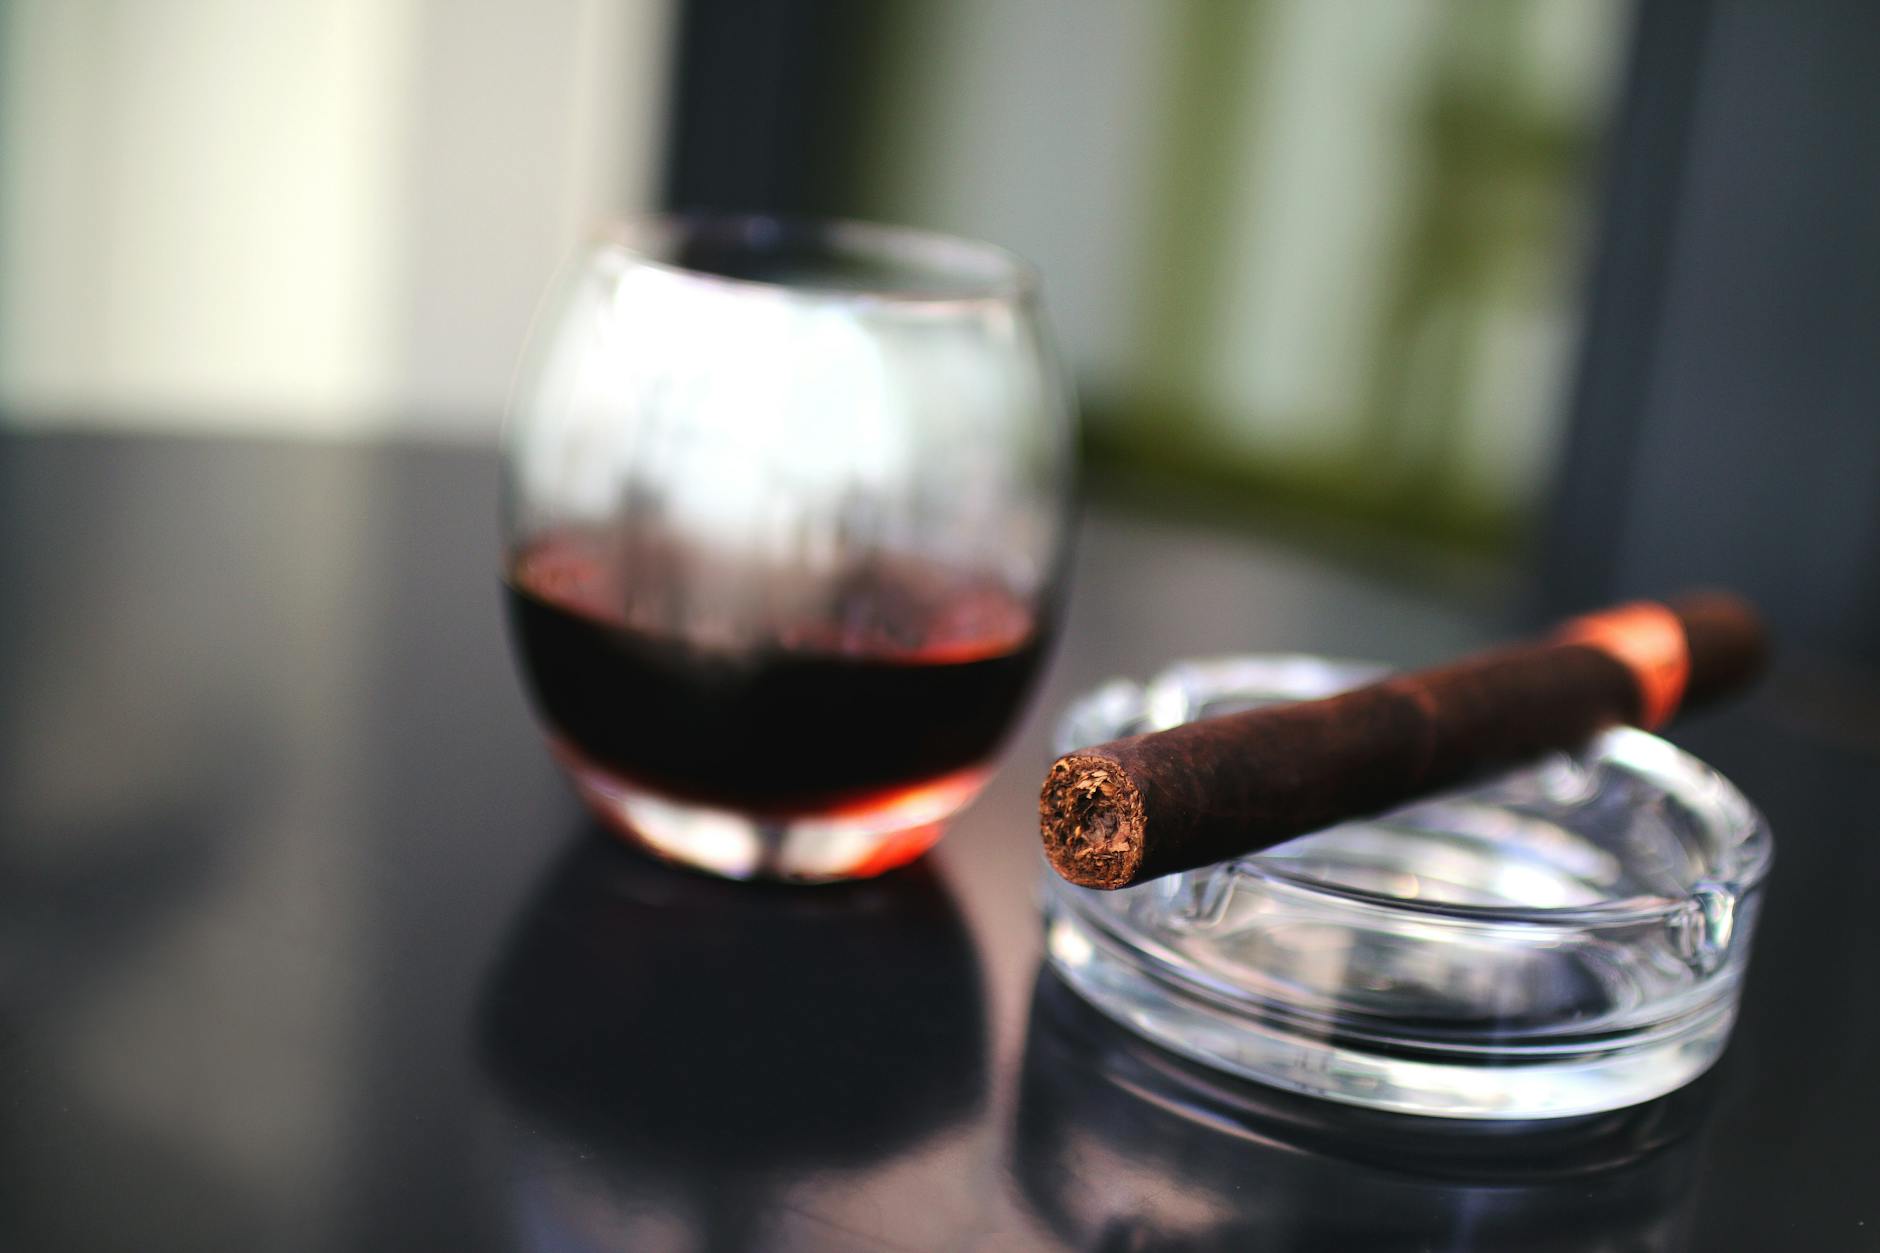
(1577, 297)
(1395, 322)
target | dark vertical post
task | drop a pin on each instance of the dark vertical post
(1643, 181)
(764, 103)
(1728, 419)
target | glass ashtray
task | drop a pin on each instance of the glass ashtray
(1564, 938)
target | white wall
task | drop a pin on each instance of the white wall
(320, 217)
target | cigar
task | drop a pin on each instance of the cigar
(1134, 809)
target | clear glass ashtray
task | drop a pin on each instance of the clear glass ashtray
(1564, 938)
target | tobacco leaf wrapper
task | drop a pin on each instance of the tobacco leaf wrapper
(1134, 809)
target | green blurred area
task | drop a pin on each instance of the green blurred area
(1313, 256)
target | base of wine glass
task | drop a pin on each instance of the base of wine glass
(858, 840)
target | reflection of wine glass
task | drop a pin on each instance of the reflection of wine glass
(785, 510)
(1122, 1145)
(700, 1048)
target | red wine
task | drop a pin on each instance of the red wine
(913, 674)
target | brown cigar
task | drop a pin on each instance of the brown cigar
(1138, 808)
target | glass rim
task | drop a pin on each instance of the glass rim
(966, 272)
(1743, 861)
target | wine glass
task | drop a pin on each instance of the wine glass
(785, 511)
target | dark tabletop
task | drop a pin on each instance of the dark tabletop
(305, 945)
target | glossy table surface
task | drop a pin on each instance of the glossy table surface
(305, 945)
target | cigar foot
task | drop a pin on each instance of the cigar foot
(1092, 819)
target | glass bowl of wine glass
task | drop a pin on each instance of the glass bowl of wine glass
(785, 510)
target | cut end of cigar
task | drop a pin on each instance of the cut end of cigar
(1091, 817)
(1727, 638)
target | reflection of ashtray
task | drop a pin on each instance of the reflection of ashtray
(699, 1043)
(1555, 940)
(1122, 1145)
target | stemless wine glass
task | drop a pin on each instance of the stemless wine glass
(785, 513)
